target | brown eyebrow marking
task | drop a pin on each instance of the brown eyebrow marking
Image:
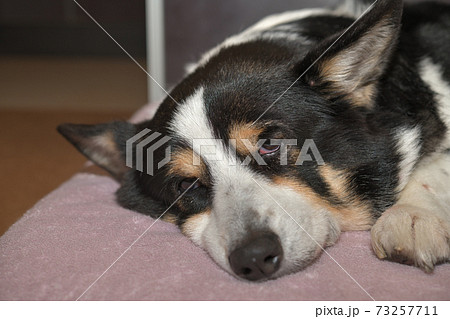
(245, 131)
(182, 164)
(352, 214)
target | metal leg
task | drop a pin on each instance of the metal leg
(155, 48)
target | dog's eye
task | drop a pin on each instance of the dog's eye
(268, 149)
(190, 183)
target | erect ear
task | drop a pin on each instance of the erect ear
(349, 66)
(104, 144)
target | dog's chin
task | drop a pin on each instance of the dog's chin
(299, 243)
(299, 258)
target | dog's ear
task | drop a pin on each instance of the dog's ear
(348, 66)
(104, 144)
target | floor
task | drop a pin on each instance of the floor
(37, 94)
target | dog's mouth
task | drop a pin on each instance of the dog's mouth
(251, 237)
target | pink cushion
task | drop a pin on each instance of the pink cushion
(69, 238)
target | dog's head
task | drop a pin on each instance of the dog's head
(259, 175)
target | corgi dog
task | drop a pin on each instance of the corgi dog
(305, 125)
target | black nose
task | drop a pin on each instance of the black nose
(258, 258)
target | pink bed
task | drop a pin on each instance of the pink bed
(68, 239)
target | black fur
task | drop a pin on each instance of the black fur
(357, 139)
(354, 129)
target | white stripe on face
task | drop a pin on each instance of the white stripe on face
(190, 120)
(191, 124)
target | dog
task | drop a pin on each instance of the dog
(313, 122)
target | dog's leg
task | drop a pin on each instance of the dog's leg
(416, 230)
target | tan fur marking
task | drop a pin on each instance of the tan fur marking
(351, 217)
(245, 131)
(337, 181)
(352, 72)
(192, 227)
(108, 148)
(355, 212)
(169, 218)
(182, 164)
(102, 150)
(334, 72)
(106, 141)
(301, 189)
(363, 96)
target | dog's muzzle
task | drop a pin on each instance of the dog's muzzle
(258, 257)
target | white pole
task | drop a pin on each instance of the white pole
(154, 15)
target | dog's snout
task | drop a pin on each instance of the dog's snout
(258, 258)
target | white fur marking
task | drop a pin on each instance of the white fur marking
(431, 74)
(196, 227)
(255, 31)
(354, 8)
(408, 142)
(418, 226)
(286, 17)
(190, 120)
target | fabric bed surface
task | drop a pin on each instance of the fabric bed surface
(68, 239)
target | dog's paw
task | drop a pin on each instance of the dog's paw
(412, 235)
